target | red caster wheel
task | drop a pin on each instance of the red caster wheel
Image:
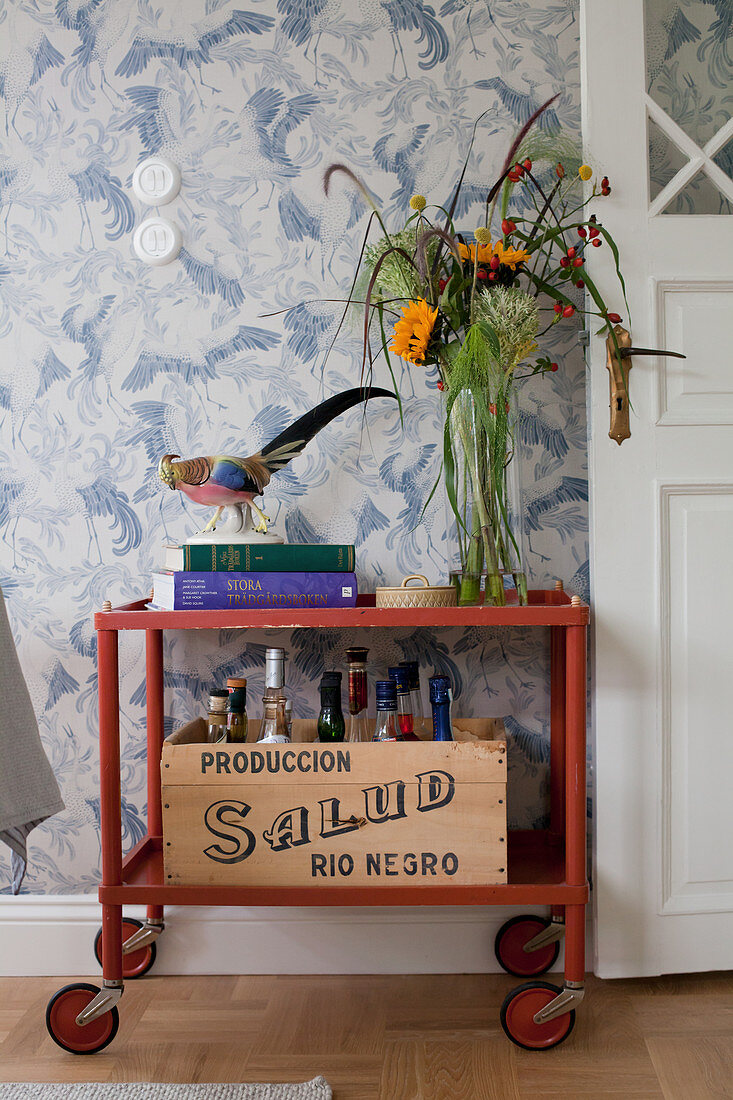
(61, 1013)
(136, 963)
(517, 1017)
(509, 947)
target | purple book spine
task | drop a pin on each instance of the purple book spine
(263, 591)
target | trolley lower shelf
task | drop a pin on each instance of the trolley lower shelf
(536, 873)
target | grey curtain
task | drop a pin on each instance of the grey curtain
(29, 792)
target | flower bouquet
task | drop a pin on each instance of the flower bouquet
(474, 307)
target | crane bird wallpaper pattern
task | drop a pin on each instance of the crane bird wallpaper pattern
(106, 364)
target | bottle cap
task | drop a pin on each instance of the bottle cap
(236, 682)
(218, 699)
(413, 668)
(440, 689)
(386, 691)
(333, 678)
(401, 677)
(273, 653)
(356, 655)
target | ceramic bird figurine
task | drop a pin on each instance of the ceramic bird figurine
(223, 480)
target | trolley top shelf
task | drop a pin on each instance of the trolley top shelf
(547, 607)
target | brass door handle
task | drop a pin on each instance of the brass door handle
(618, 364)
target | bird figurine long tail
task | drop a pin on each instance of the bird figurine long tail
(222, 480)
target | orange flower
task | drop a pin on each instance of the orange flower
(412, 333)
(510, 257)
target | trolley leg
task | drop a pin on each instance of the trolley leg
(575, 812)
(155, 728)
(109, 758)
(557, 730)
(575, 798)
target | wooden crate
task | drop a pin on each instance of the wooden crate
(313, 814)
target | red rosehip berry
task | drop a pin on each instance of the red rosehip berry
(571, 252)
(507, 226)
(519, 169)
(604, 182)
(440, 385)
(614, 318)
(597, 242)
(582, 231)
(513, 176)
(442, 284)
(578, 261)
(493, 276)
(560, 171)
(568, 311)
(494, 263)
(564, 262)
(579, 283)
(593, 231)
(554, 366)
(527, 164)
(557, 307)
(481, 274)
(492, 409)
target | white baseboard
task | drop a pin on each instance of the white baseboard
(53, 935)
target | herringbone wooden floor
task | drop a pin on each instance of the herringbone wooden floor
(392, 1038)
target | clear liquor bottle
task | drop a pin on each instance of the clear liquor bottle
(413, 668)
(275, 674)
(217, 715)
(386, 728)
(273, 729)
(358, 724)
(401, 677)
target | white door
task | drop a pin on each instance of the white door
(658, 96)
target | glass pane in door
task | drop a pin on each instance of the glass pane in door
(689, 62)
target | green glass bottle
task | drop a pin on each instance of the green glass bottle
(237, 712)
(331, 724)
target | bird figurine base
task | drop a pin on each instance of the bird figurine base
(235, 525)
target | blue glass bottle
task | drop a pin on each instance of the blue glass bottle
(441, 698)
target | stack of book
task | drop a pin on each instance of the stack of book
(229, 576)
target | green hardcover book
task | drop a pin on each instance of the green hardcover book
(249, 557)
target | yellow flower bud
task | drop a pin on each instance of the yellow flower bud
(482, 235)
(418, 202)
(585, 172)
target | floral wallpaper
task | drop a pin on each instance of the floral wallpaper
(106, 363)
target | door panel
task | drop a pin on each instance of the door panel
(657, 121)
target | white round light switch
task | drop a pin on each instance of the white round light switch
(157, 241)
(156, 181)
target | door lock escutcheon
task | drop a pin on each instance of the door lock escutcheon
(618, 364)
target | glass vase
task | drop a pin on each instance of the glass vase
(484, 494)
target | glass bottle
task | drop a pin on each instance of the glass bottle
(358, 726)
(386, 728)
(331, 725)
(441, 698)
(275, 672)
(401, 677)
(237, 713)
(218, 715)
(273, 729)
(413, 668)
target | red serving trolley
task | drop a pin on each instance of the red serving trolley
(546, 867)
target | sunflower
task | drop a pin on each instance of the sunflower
(412, 333)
